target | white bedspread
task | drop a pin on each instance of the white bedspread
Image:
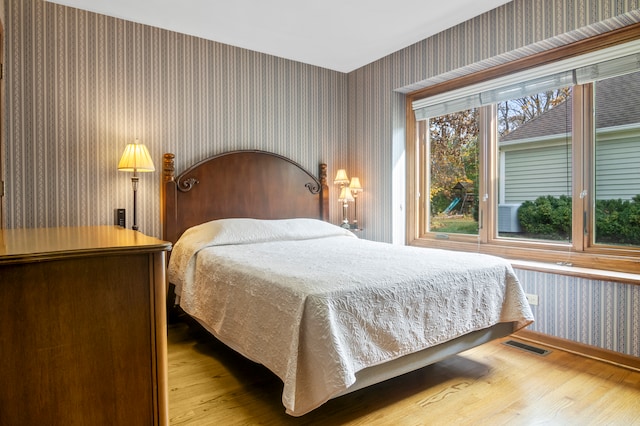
(315, 305)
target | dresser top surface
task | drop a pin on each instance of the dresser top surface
(33, 243)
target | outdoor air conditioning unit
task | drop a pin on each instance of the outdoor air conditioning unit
(508, 218)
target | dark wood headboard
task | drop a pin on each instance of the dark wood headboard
(253, 183)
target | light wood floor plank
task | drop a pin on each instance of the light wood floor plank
(490, 385)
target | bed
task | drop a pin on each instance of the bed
(257, 264)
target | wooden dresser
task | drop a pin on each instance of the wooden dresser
(82, 327)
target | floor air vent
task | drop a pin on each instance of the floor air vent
(528, 348)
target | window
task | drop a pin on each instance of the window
(540, 164)
(452, 159)
(617, 160)
(534, 166)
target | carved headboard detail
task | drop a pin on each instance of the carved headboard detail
(246, 183)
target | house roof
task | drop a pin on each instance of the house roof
(617, 104)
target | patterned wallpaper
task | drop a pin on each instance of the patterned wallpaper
(81, 85)
(598, 313)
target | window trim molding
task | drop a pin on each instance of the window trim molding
(613, 259)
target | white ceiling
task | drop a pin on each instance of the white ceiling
(341, 35)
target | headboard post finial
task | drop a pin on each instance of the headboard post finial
(323, 174)
(324, 193)
(168, 167)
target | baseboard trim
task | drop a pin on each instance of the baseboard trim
(605, 355)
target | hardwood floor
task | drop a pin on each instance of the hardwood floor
(493, 384)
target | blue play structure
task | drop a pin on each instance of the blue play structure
(453, 204)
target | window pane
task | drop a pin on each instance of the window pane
(617, 160)
(534, 167)
(453, 173)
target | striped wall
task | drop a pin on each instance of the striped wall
(598, 313)
(80, 86)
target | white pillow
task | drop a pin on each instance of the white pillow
(247, 231)
(240, 231)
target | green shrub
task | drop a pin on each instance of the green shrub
(439, 203)
(548, 217)
(618, 221)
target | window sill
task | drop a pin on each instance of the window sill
(574, 271)
(597, 266)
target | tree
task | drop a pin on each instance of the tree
(515, 112)
(454, 141)
(454, 148)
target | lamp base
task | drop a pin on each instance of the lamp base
(134, 184)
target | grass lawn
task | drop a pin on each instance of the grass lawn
(454, 224)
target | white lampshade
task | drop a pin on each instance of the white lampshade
(355, 186)
(345, 195)
(136, 158)
(341, 177)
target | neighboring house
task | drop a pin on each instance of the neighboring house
(535, 159)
